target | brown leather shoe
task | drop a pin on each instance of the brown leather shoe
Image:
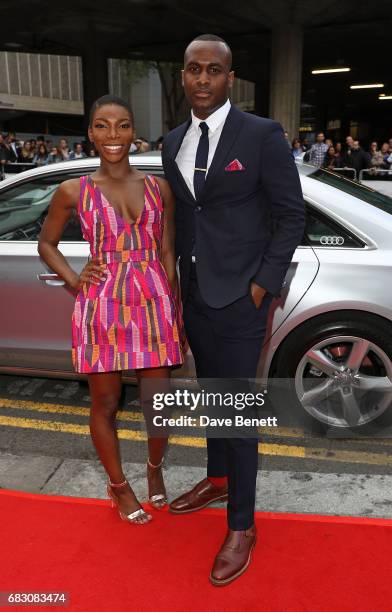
(200, 496)
(234, 556)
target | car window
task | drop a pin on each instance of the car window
(321, 231)
(23, 207)
(363, 192)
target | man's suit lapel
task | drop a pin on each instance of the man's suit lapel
(175, 147)
(227, 139)
(177, 141)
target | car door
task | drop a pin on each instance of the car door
(35, 306)
(300, 275)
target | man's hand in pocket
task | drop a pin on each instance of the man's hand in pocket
(257, 294)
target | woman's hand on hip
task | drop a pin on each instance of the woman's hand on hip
(93, 272)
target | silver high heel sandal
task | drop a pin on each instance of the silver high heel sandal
(159, 500)
(133, 515)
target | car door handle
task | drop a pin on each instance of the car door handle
(47, 276)
(51, 279)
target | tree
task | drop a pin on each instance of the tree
(173, 92)
(169, 73)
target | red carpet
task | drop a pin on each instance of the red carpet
(302, 563)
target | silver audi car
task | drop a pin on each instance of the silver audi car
(329, 332)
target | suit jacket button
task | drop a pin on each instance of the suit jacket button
(198, 208)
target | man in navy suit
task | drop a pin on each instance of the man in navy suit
(239, 218)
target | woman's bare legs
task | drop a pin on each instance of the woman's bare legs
(151, 381)
(105, 391)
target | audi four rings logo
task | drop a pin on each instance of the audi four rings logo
(332, 240)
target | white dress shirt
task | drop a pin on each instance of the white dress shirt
(187, 153)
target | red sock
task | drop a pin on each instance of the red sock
(218, 481)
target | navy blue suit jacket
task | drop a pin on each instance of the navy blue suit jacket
(246, 224)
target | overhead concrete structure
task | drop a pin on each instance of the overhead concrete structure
(355, 33)
(286, 76)
(51, 83)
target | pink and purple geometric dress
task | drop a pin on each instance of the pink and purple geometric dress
(131, 319)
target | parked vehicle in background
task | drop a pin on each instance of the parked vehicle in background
(329, 331)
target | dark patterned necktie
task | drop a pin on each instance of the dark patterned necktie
(201, 160)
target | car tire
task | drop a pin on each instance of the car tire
(336, 335)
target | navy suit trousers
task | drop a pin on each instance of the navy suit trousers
(226, 344)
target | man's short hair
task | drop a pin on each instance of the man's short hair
(212, 38)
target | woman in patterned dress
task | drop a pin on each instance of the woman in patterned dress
(127, 313)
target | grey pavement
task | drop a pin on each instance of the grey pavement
(277, 491)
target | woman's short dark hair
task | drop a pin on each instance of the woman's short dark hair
(109, 99)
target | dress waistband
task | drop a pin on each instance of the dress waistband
(130, 255)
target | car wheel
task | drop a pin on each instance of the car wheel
(340, 366)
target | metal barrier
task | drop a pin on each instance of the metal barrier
(367, 174)
(375, 174)
(14, 168)
(347, 172)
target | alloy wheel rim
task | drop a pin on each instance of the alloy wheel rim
(344, 381)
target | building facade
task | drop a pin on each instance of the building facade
(44, 93)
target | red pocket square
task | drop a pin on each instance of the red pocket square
(234, 166)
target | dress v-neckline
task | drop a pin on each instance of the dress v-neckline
(115, 209)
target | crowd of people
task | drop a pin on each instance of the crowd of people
(40, 151)
(325, 153)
